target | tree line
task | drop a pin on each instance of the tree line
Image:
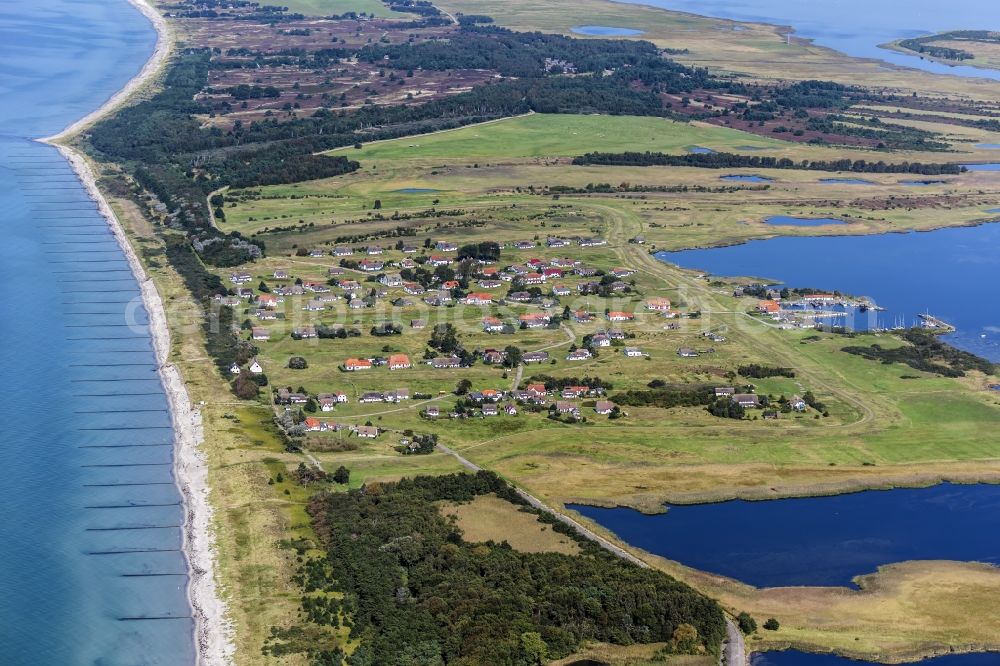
(736, 161)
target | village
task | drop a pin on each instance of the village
(424, 331)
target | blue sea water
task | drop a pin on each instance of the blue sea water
(818, 540)
(605, 31)
(796, 658)
(949, 272)
(91, 507)
(859, 27)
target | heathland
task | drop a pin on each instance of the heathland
(343, 207)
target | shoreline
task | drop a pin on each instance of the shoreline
(212, 636)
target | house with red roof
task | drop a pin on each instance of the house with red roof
(354, 364)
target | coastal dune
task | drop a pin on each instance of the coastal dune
(213, 631)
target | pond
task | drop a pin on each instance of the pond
(747, 179)
(796, 658)
(700, 150)
(824, 541)
(988, 146)
(922, 183)
(417, 190)
(987, 166)
(949, 272)
(785, 221)
(605, 31)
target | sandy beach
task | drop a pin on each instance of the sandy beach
(213, 631)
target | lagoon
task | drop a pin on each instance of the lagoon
(949, 272)
(858, 27)
(91, 503)
(796, 658)
(818, 540)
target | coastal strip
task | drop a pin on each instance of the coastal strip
(213, 631)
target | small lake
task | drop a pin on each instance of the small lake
(818, 540)
(796, 658)
(785, 221)
(417, 190)
(988, 166)
(988, 146)
(605, 31)
(747, 179)
(858, 27)
(846, 181)
(700, 150)
(949, 272)
(922, 183)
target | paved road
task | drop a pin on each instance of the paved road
(735, 649)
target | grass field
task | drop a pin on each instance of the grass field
(488, 518)
(332, 7)
(551, 135)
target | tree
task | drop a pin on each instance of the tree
(444, 338)
(772, 624)
(244, 387)
(342, 475)
(463, 387)
(685, 639)
(747, 624)
(533, 648)
(378, 204)
(297, 363)
(513, 356)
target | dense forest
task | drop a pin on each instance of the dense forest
(418, 594)
(734, 161)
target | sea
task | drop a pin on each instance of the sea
(90, 544)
